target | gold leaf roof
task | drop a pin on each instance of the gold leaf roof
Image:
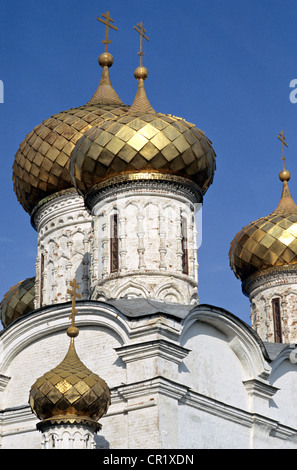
(41, 165)
(105, 93)
(268, 242)
(70, 389)
(18, 301)
(86, 145)
(143, 142)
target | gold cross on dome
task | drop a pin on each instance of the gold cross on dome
(108, 25)
(75, 295)
(282, 138)
(140, 29)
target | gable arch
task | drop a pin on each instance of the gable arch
(42, 324)
(242, 340)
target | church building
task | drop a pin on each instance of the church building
(108, 346)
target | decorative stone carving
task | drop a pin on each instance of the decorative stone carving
(277, 283)
(68, 436)
(156, 255)
(64, 233)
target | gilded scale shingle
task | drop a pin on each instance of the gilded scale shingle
(143, 142)
(105, 138)
(70, 392)
(42, 163)
(270, 241)
(18, 301)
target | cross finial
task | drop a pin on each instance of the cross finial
(282, 138)
(108, 25)
(140, 29)
(75, 295)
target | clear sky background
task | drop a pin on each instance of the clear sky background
(225, 66)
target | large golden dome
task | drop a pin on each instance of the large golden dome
(18, 301)
(142, 141)
(268, 242)
(41, 165)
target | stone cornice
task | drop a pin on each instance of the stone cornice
(124, 399)
(260, 388)
(144, 182)
(3, 382)
(151, 386)
(151, 273)
(47, 202)
(156, 348)
(278, 275)
(186, 396)
(58, 205)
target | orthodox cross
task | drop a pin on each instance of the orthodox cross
(141, 31)
(108, 25)
(75, 295)
(282, 138)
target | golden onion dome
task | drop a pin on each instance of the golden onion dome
(41, 165)
(70, 392)
(18, 301)
(140, 142)
(268, 242)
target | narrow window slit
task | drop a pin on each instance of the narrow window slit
(114, 244)
(277, 321)
(184, 241)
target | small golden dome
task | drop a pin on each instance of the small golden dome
(70, 391)
(18, 301)
(41, 165)
(268, 242)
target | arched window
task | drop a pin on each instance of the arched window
(277, 321)
(114, 244)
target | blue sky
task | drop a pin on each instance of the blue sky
(224, 65)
